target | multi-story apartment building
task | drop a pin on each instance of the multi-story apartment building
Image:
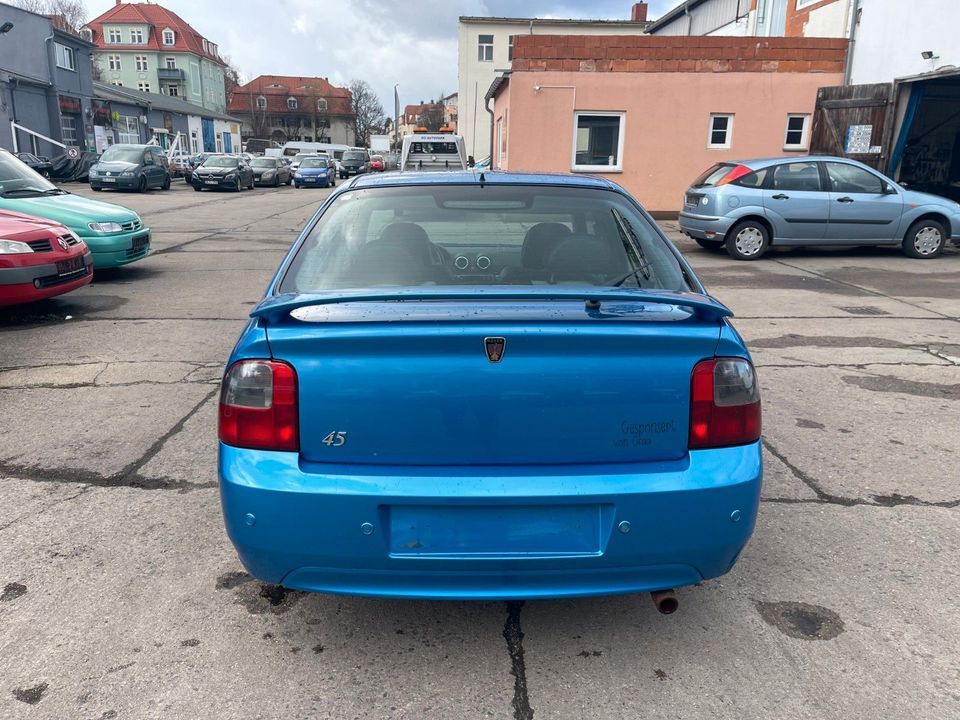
(285, 108)
(486, 50)
(146, 47)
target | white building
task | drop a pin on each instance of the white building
(485, 51)
(764, 18)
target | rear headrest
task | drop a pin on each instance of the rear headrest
(403, 233)
(539, 241)
(581, 256)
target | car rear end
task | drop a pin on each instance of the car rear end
(477, 439)
(708, 202)
(40, 260)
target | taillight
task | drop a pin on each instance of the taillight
(724, 403)
(258, 406)
(738, 172)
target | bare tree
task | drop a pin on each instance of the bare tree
(72, 12)
(369, 116)
(231, 77)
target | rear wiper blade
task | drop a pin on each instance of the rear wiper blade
(629, 235)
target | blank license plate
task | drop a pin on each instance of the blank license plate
(495, 531)
(106, 179)
(211, 182)
(65, 267)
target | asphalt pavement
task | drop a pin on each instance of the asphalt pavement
(121, 596)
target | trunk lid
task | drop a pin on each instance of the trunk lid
(411, 383)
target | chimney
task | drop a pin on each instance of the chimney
(638, 13)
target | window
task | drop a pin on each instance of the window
(141, 63)
(114, 36)
(261, 103)
(173, 91)
(721, 131)
(68, 129)
(510, 48)
(799, 176)
(851, 179)
(143, 86)
(128, 130)
(485, 48)
(322, 105)
(796, 135)
(171, 63)
(168, 37)
(292, 103)
(113, 61)
(598, 141)
(136, 37)
(65, 57)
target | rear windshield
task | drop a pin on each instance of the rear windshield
(481, 235)
(713, 175)
(434, 148)
(263, 163)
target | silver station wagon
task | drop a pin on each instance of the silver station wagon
(750, 206)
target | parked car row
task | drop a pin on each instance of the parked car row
(52, 240)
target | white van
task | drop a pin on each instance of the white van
(433, 151)
(295, 147)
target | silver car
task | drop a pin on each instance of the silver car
(750, 206)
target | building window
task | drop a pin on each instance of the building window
(510, 49)
(113, 62)
(141, 63)
(168, 37)
(598, 141)
(68, 129)
(173, 91)
(291, 103)
(721, 131)
(804, 3)
(171, 63)
(322, 105)
(114, 36)
(261, 103)
(485, 48)
(65, 57)
(796, 135)
(136, 37)
(128, 130)
(143, 86)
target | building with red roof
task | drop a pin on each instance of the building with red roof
(284, 108)
(147, 47)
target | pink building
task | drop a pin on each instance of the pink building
(653, 112)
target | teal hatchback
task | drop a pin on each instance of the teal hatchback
(115, 235)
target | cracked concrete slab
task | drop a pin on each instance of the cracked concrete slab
(190, 456)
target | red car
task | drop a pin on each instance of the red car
(39, 259)
(376, 163)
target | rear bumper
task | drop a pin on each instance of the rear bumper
(519, 532)
(705, 227)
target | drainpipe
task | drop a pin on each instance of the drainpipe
(486, 105)
(852, 40)
(51, 70)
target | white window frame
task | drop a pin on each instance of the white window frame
(115, 36)
(136, 36)
(128, 129)
(261, 102)
(292, 103)
(803, 3)
(618, 167)
(141, 62)
(113, 62)
(729, 138)
(170, 63)
(804, 134)
(65, 57)
(510, 48)
(321, 105)
(143, 86)
(173, 90)
(167, 32)
(481, 53)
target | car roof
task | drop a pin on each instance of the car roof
(491, 177)
(755, 163)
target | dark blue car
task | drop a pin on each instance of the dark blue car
(493, 385)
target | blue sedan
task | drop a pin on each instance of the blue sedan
(750, 206)
(315, 172)
(488, 387)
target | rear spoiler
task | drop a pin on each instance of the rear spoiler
(705, 305)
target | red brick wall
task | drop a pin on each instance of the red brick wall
(663, 53)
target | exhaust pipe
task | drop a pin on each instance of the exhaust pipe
(665, 601)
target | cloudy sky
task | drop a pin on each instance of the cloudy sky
(413, 43)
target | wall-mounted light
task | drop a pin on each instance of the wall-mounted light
(6, 27)
(926, 54)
